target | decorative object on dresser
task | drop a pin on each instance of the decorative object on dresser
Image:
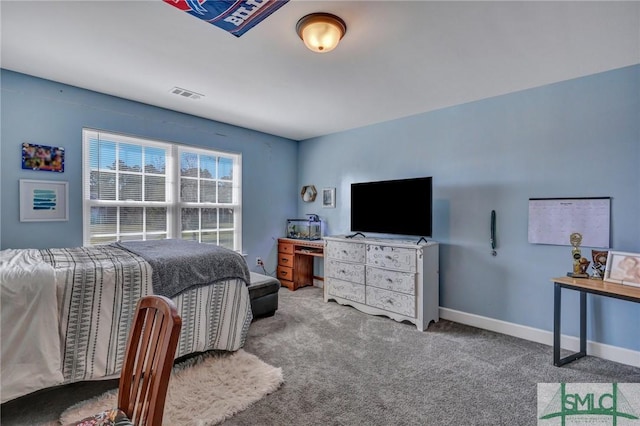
(395, 278)
(295, 262)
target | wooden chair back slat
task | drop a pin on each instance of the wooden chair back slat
(148, 360)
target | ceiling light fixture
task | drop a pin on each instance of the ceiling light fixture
(321, 32)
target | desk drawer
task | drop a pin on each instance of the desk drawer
(285, 273)
(285, 248)
(285, 259)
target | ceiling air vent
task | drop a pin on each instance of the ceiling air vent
(186, 93)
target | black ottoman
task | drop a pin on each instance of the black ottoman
(263, 293)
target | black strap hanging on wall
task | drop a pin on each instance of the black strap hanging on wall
(493, 233)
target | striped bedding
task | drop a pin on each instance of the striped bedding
(96, 290)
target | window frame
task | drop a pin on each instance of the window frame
(173, 203)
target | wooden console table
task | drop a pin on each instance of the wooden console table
(584, 286)
(295, 261)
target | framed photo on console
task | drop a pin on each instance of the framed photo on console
(623, 268)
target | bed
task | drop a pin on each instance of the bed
(66, 312)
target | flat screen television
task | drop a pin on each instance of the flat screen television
(402, 207)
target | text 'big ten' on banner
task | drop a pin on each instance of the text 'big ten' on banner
(235, 17)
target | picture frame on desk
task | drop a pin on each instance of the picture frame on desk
(623, 268)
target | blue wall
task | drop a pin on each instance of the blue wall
(47, 113)
(578, 138)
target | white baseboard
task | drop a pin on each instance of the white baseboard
(600, 350)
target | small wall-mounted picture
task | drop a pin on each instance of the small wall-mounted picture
(329, 198)
(308, 193)
(43, 201)
(623, 268)
(42, 157)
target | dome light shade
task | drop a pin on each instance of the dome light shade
(321, 32)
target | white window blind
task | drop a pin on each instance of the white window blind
(140, 189)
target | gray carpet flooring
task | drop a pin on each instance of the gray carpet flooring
(344, 367)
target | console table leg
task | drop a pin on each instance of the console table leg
(557, 361)
(583, 323)
(556, 323)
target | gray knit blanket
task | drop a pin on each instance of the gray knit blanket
(179, 265)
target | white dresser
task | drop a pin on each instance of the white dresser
(395, 278)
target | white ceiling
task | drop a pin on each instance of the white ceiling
(397, 59)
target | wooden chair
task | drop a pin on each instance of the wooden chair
(147, 365)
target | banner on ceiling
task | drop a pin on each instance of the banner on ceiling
(235, 17)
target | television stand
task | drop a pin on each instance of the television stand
(422, 239)
(395, 278)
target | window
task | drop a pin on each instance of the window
(139, 189)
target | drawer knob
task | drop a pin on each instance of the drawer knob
(284, 260)
(389, 280)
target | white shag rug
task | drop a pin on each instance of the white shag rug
(203, 391)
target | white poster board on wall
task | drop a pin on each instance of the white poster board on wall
(553, 220)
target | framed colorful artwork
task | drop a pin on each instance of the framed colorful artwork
(42, 157)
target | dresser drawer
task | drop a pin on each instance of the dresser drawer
(400, 258)
(403, 282)
(391, 301)
(353, 272)
(345, 289)
(351, 252)
(285, 259)
(285, 248)
(285, 273)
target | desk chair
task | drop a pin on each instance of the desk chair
(147, 366)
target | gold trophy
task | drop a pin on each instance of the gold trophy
(580, 264)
